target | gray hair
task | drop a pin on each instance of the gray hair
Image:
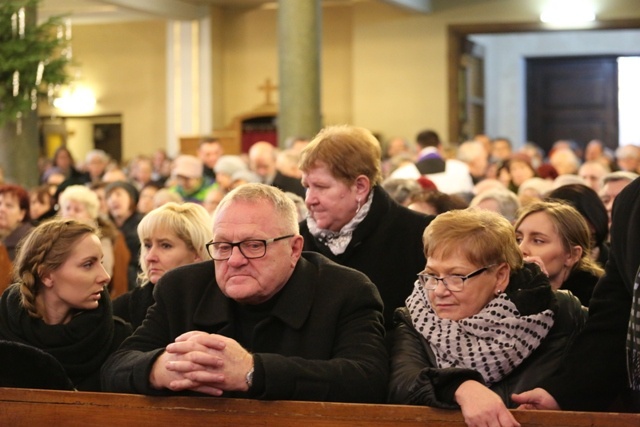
(508, 202)
(287, 214)
(471, 150)
(81, 194)
(619, 176)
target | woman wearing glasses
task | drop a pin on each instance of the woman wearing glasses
(480, 323)
(170, 236)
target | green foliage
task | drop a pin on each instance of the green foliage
(38, 44)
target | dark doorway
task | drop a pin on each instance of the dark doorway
(572, 98)
(458, 34)
(108, 137)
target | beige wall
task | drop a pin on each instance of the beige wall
(382, 67)
(400, 61)
(125, 64)
(249, 57)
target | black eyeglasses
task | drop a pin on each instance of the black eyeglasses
(250, 249)
(454, 283)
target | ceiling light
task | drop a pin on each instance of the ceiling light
(568, 13)
(77, 100)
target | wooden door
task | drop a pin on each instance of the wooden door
(471, 89)
(572, 98)
(108, 137)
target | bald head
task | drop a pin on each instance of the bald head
(262, 160)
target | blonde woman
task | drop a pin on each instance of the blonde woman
(556, 236)
(170, 236)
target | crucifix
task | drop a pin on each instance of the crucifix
(268, 87)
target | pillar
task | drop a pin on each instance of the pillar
(299, 40)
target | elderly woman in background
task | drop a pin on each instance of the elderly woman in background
(480, 323)
(14, 216)
(434, 202)
(170, 236)
(59, 303)
(502, 201)
(352, 220)
(557, 237)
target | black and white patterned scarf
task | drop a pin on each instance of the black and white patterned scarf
(492, 342)
(337, 241)
(633, 338)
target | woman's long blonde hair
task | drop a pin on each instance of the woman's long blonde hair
(572, 229)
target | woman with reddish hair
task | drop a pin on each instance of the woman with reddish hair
(14, 216)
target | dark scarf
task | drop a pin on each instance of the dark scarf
(81, 345)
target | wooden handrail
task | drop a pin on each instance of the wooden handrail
(26, 407)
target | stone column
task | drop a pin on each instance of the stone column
(19, 143)
(19, 151)
(299, 36)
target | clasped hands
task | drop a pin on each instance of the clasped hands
(202, 362)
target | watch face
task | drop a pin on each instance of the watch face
(249, 377)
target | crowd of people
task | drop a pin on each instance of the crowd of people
(479, 277)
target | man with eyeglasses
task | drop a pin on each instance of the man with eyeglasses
(268, 321)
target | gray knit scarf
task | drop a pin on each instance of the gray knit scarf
(492, 342)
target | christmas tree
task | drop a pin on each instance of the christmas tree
(33, 58)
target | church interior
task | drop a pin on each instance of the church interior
(162, 75)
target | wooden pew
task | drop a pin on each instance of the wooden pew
(24, 407)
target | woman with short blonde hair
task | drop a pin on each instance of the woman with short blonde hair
(170, 236)
(480, 323)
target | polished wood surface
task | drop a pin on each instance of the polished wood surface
(24, 407)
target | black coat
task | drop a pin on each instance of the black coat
(81, 346)
(322, 338)
(288, 183)
(581, 283)
(132, 306)
(11, 241)
(129, 230)
(415, 378)
(386, 246)
(596, 368)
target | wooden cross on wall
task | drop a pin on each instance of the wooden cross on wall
(268, 88)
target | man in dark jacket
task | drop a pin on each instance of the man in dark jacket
(604, 361)
(265, 321)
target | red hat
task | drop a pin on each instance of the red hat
(426, 183)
